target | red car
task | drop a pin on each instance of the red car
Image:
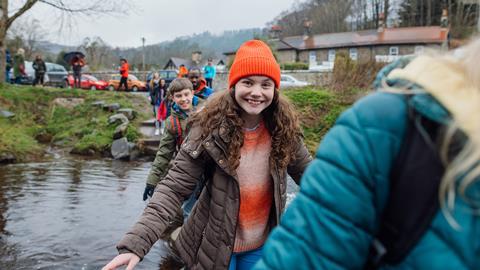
(88, 82)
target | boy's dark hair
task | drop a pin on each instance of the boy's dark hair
(179, 84)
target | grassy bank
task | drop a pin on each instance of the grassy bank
(84, 129)
(319, 108)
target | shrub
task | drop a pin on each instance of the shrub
(349, 74)
(294, 66)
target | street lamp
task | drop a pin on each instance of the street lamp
(143, 53)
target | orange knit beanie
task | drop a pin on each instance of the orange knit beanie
(254, 57)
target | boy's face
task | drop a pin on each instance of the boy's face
(183, 99)
(194, 77)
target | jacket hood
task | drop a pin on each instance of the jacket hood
(202, 83)
(442, 90)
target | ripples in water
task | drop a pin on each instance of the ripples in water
(69, 213)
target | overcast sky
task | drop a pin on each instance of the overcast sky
(162, 20)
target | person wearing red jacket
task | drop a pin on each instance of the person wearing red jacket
(124, 72)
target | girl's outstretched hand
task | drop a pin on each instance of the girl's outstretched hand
(128, 259)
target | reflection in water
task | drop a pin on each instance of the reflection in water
(69, 213)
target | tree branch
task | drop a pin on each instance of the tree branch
(22, 10)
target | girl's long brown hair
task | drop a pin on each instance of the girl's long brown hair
(280, 119)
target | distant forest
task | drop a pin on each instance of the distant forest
(314, 16)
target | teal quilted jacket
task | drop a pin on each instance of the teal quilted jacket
(332, 221)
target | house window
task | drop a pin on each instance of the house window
(353, 53)
(419, 49)
(393, 51)
(331, 55)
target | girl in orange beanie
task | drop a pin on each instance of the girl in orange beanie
(241, 145)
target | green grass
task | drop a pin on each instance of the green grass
(83, 128)
(319, 109)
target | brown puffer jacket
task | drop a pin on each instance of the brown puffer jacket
(206, 239)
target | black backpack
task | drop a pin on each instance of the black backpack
(413, 198)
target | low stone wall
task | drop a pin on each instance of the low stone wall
(317, 78)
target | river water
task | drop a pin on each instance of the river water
(68, 213)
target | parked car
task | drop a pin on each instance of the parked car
(134, 84)
(88, 82)
(56, 75)
(28, 78)
(167, 75)
(287, 81)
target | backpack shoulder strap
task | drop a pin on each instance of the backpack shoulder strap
(413, 197)
(175, 128)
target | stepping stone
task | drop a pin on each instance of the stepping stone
(6, 114)
(129, 113)
(118, 119)
(112, 107)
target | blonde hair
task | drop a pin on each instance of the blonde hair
(463, 169)
(465, 166)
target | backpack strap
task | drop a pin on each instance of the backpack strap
(413, 197)
(177, 129)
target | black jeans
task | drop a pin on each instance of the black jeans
(123, 81)
(209, 82)
(77, 80)
(38, 78)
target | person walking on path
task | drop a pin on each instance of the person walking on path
(124, 74)
(242, 143)
(19, 66)
(77, 65)
(209, 73)
(158, 91)
(200, 87)
(40, 68)
(394, 181)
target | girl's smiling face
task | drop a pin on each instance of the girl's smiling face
(254, 94)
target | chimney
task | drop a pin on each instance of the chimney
(307, 28)
(275, 32)
(444, 18)
(381, 23)
(444, 29)
(197, 57)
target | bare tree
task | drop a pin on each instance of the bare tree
(67, 8)
(30, 32)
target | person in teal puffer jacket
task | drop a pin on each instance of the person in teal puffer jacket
(335, 216)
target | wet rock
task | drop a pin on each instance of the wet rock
(112, 107)
(6, 114)
(120, 149)
(68, 103)
(118, 119)
(120, 131)
(129, 113)
(99, 103)
(7, 157)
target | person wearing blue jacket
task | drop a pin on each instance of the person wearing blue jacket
(209, 73)
(335, 217)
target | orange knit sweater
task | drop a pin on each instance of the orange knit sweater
(256, 190)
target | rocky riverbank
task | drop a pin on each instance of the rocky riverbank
(109, 124)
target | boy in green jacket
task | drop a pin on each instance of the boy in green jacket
(184, 103)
